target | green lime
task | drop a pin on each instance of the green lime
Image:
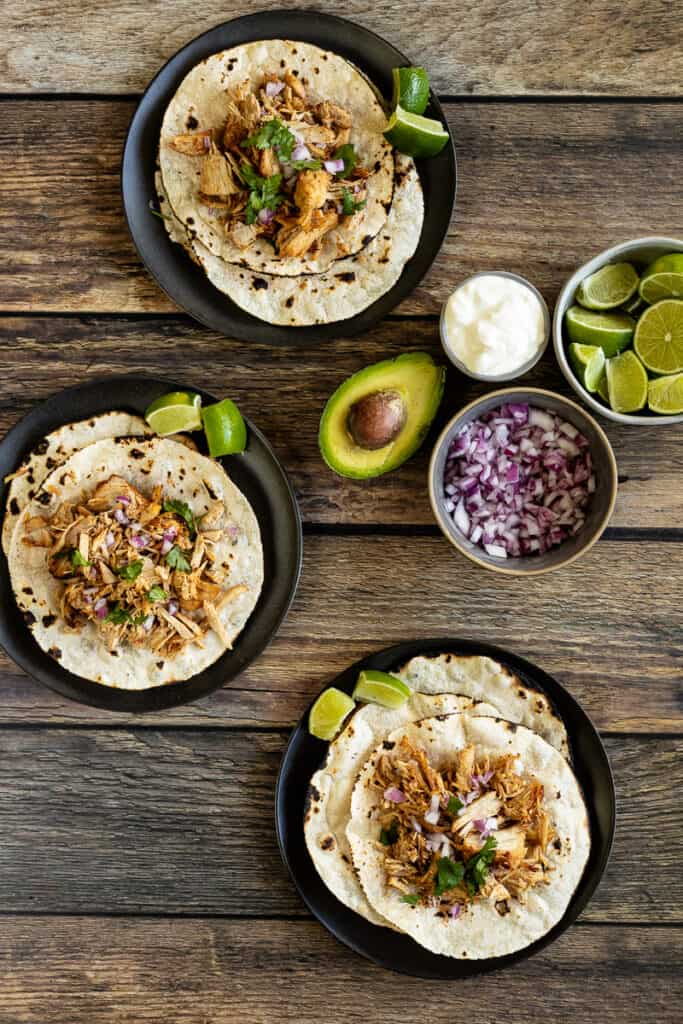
(602, 389)
(658, 340)
(589, 364)
(225, 430)
(415, 135)
(663, 279)
(608, 287)
(665, 394)
(174, 412)
(328, 713)
(611, 331)
(411, 89)
(381, 688)
(626, 382)
(634, 306)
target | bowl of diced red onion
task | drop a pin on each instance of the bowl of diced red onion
(523, 481)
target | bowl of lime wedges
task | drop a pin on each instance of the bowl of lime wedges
(618, 331)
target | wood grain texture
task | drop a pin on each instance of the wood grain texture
(476, 47)
(145, 821)
(609, 628)
(39, 356)
(217, 972)
(542, 188)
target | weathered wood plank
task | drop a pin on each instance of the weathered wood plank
(608, 627)
(77, 971)
(140, 821)
(542, 187)
(39, 356)
(606, 48)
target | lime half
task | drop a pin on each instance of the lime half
(381, 688)
(226, 431)
(658, 340)
(328, 713)
(663, 279)
(626, 383)
(415, 135)
(611, 331)
(608, 287)
(174, 412)
(665, 394)
(411, 89)
(589, 364)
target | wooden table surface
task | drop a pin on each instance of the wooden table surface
(139, 874)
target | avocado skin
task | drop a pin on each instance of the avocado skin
(420, 381)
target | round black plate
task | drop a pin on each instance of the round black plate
(393, 950)
(179, 277)
(259, 476)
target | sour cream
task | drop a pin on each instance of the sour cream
(494, 325)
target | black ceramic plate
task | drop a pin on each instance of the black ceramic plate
(259, 476)
(391, 949)
(173, 270)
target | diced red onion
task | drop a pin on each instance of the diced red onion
(170, 534)
(139, 541)
(123, 499)
(454, 912)
(172, 607)
(483, 779)
(120, 516)
(265, 215)
(334, 166)
(166, 547)
(110, 540)
(394, 795)
(301, 152)
(416, 826)
(432, 815)
(89, 594)
(148, 623)
(274, 88)
(485, 826)
(467, 798)
(101, 608)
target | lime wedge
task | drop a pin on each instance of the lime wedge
(611, 331)
(608, 287)
(663, 279)
(665, 394)
(589, 364)
(634, 306)
(381, 688)
(411, 89)
(626, 382)
(658, 340)
(226, 431)
(328, 713)
(174, 412)
(415, 135)
(602, 389)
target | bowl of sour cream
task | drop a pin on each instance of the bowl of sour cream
(495, 326)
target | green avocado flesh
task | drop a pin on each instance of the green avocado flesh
(417, 380)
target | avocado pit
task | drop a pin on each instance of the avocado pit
(376, 420)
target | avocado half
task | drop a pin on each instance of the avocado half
(379, 417)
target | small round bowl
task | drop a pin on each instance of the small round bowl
(599, 510)
(641, 251)
(525, 367)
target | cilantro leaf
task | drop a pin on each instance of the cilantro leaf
(180, 508)
(265, 192)
(130, 571)
(139, 619)
(306, 165)
(157, 594)
(478, 866)
(176, 559)
(78, 559)
(388, 836)
(449, 873)
(273, 133)
(118, 615)
(348, 154)
(454, 805)
(349, 206)
(411, 898)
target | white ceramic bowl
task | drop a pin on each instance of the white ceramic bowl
(641, 251)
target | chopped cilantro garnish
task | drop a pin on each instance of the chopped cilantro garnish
(454, 805)
(264, 192)
(77, 559)
(176, 559)
(130, 571)
(306, 165)
(349, 205)
(118, 615)
(478, 866)
(273, 133)
(449, 873)
(179, 508)
(139, 619)
(348, 154)
(388, 836)
(411, 898)
(157, 594)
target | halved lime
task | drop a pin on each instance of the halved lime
(174, 412)
(381, 688)
(658, 340)
(588, 362)
(608, 287)
(411, 89)
(665, 394)
(626, 382)
(611, 331)
(602, 389)
(226, 431)
(663, 279)
(415, 135)
(328, 713)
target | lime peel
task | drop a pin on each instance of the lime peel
(327, 715)
(382, 688)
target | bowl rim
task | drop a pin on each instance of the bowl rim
(570, 285)
(500, 378)
(507, 570)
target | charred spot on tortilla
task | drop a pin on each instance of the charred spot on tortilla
(259, 282)
(191, 123)
(114, 654)
(43, 498)
(522, 694)
(347, 276)
(289, 302)
(55, 653)
(159, 664)
(388, 745)
(27, 590)
(190, 220)
(135, 453)
(49, 620)
(366, 239)
(14, 507)
(327, 843)
(41, 447)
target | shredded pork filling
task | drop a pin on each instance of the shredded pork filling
(476, 830)
(142, 570)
